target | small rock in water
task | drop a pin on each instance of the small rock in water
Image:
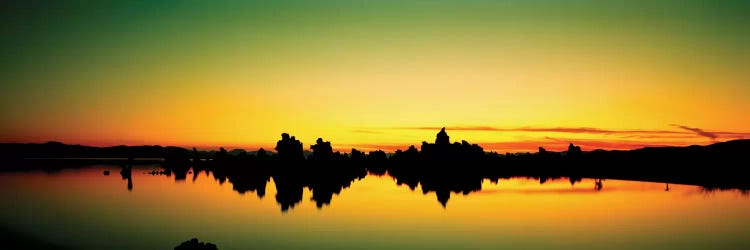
(106, 172)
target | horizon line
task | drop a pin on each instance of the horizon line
(549, 144)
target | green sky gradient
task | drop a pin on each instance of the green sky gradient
(94, 61)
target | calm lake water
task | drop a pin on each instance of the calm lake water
(84, 209)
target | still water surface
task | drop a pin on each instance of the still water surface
(84, 209)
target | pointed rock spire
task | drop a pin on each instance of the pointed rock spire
(442, 138)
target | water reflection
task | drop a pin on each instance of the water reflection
(127, 174)
(87, 210)
(290, 183)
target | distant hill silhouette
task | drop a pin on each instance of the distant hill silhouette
(60, 150)
(289, 148)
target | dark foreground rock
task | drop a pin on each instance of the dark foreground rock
(194, 244)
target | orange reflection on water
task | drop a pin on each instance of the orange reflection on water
(86, 209)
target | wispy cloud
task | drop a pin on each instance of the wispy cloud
(556, 139)
(366, 131)
(577, 130)
(561, 144)
(697, 131)
(625, 133)
(532, 145)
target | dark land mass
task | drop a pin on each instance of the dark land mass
(441, 167)
(195, 244)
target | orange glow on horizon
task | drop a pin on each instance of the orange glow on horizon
(530, 144)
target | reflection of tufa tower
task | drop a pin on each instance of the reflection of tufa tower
(442, 138)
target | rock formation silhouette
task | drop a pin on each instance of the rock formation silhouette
(195, 244)
(442, 138)
(322, 150)
(441, 167)
(574, 152)
(289, 148)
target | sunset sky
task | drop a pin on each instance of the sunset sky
(508, 75)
